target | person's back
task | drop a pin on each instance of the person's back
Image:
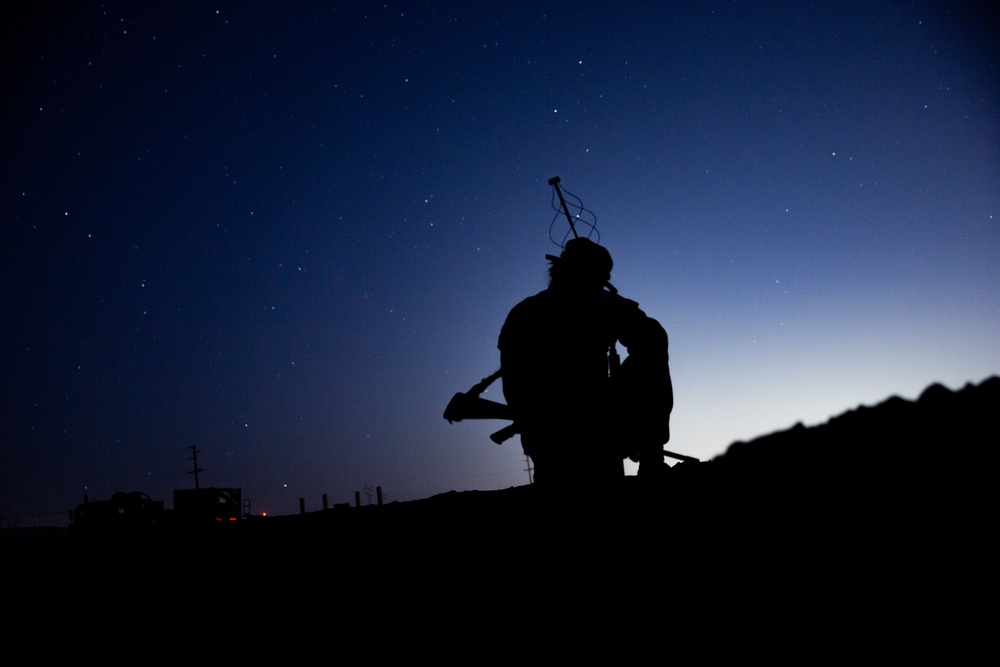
(555, 378)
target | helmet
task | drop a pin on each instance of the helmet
(583, 259)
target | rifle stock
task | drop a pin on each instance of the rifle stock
(469, 406)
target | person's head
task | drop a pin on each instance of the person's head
(582, 263)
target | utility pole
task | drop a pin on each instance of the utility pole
(194, 457)
(527, 462)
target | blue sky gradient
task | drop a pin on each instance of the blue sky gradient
(287, 234)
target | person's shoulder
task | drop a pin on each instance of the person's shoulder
(534, 301)
(628, 310)
(621, 302)
(624, 307)
(528, 307)
(524, 317)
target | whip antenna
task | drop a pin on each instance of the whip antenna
(554, 182)
(579, 215)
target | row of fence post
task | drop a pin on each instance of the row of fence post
(326, 500)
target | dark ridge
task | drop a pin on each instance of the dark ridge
(862, 538)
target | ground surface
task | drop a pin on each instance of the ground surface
(864, 537)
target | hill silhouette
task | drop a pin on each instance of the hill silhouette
(861, 538)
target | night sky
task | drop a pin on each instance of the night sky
(288, 232)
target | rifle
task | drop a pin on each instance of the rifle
(469, 405)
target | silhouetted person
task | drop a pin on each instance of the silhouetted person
(578, 424)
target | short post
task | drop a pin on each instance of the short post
(378, 492)
(326, 502)
(357, 499)
(302, 505)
